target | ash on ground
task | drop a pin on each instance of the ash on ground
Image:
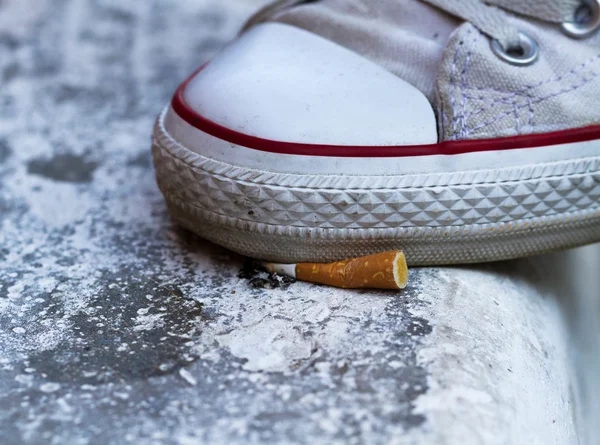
(259, 278)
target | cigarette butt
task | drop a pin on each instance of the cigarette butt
(387, 270)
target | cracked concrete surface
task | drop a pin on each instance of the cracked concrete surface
(118, 327)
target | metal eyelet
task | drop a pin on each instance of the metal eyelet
(525, 54)
(586, 20)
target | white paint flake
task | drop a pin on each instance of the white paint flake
(188, 377)
(49, 387)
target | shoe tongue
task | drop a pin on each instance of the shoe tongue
(405, 37)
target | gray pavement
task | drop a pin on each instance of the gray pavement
(118, 327)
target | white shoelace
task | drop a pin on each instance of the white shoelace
(263, 14)
(490, 16)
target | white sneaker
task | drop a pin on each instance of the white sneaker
(313, 136)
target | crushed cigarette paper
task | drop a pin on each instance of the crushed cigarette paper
(387, 270)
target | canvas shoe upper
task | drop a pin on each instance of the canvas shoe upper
(285, 84)
(455, 130)
(476, 94)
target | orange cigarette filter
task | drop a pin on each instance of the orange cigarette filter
(387, 270)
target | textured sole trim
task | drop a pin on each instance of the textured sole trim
(475, 216)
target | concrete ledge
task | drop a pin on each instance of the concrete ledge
(118, 327)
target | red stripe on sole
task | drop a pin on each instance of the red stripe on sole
(443, 148)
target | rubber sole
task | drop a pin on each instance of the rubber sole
(446, 218)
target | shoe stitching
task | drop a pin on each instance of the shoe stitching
(495, 101)
(529, 103)
(541, 83)
(464, 82)
(506, 99)
(538, 100)
(453, 83)
(499, 100)
(522, 93)
(511, 103)
(531, 113)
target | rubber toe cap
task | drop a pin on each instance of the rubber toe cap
(282, 83)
